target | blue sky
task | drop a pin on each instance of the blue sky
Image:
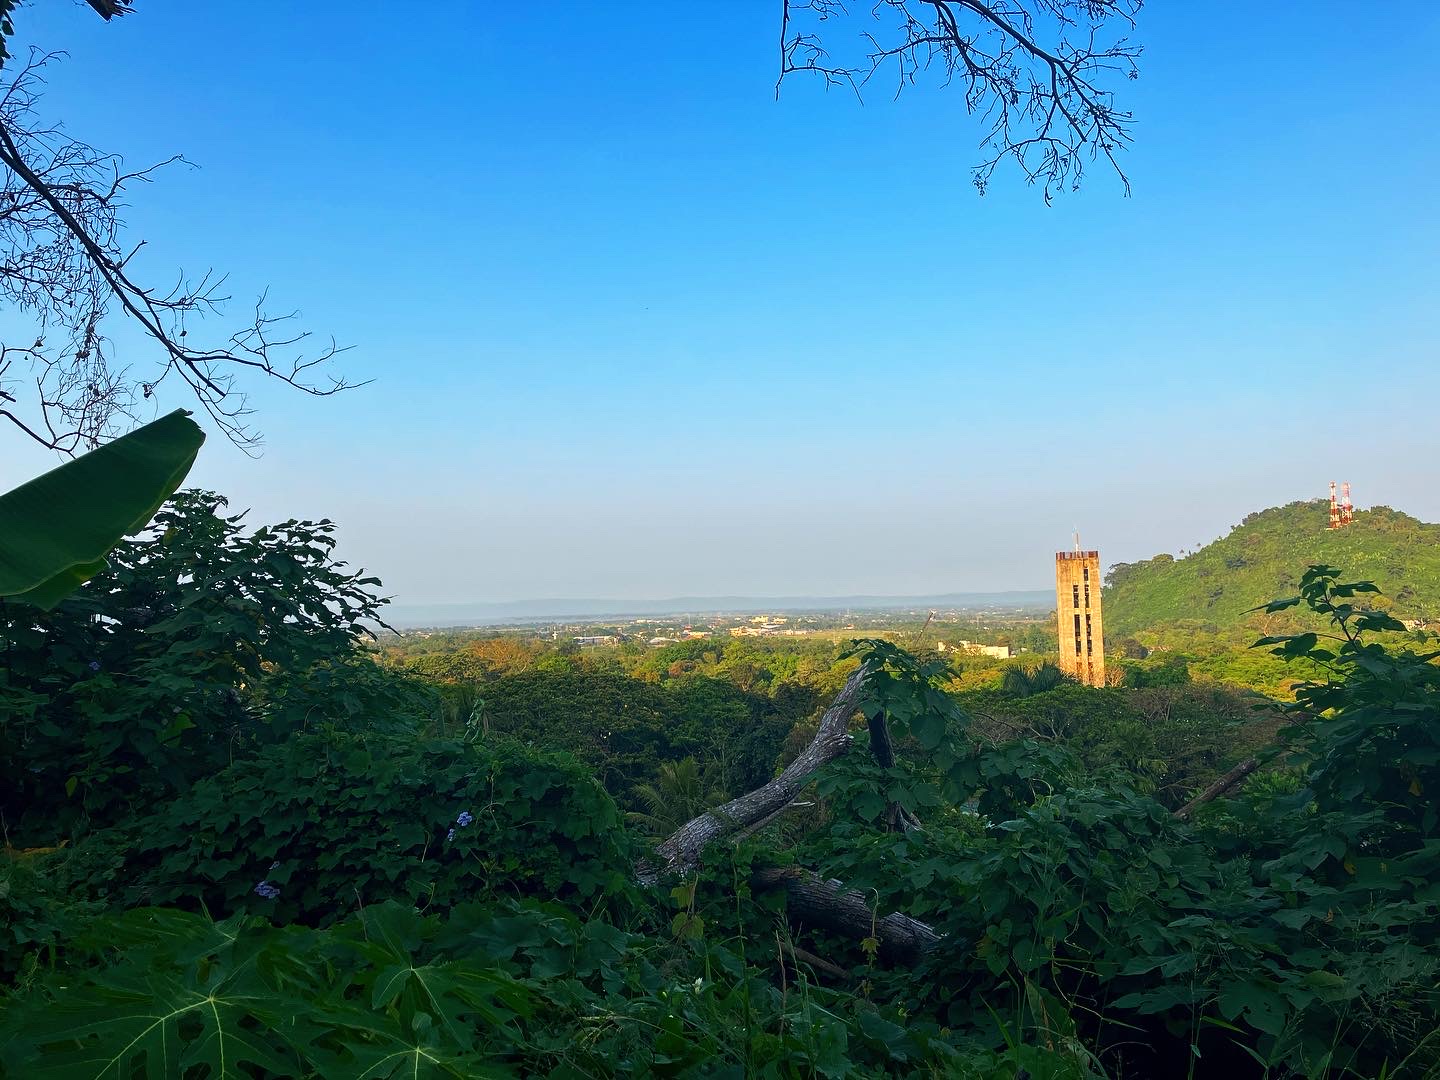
(638, 329)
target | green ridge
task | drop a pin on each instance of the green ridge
(1262, 559)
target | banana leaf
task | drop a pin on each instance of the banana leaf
(56, 529)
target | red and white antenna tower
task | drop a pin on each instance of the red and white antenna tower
(1334, 508)
(1347, 508)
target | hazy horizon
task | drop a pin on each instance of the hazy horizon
(543, 609)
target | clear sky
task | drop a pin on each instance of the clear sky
(638, 329)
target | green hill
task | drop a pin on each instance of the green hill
(1263, 557)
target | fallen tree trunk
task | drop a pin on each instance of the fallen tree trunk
(680, 851)
(810, 900)
(1218, 788)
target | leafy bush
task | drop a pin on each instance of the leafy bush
(154, 673)
(1304, 941)
(310, 829)
(626, 729)
(1023, 681)
(1166, 741)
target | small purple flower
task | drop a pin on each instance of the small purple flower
(268, 891)
(94, 665)
(450, 836)
(465, 818)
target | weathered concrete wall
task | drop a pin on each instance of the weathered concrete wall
(1077, 615)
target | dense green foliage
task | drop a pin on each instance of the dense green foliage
(333, 871)
(1167, 741)
(1205, 608)
(626, 728)
(198, 641)
(1221, 584)
(331, 821)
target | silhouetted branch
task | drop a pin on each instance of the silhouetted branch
(1034, 70)
(64, 265)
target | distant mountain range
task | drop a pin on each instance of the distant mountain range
(528, 611)
(1262, 559)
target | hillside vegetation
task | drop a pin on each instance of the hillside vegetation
(237, 846)
(1261, 559)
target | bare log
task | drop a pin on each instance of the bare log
(681, 850)
(1218, 788)
(810, 900)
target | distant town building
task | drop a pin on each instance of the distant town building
(605, 639)
(974, 648)
(1077, 615)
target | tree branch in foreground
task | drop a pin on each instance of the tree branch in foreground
(1036, 71)
(64, 264)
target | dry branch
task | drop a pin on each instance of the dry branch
(1218, 788)
(1037, 73)
(67, 268)
(819, 963)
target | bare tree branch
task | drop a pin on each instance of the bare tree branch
(1035, 71)
(64, 266)
(1219, 787)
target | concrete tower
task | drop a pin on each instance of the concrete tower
(1077, 614)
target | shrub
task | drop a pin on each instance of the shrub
(155, 673)
(308, 830)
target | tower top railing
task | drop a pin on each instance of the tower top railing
(1066, 555)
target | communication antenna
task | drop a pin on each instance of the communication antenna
(1334, 508)
(1077, 541)
(1347, 508)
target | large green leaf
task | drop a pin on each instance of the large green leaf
(56, 529)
